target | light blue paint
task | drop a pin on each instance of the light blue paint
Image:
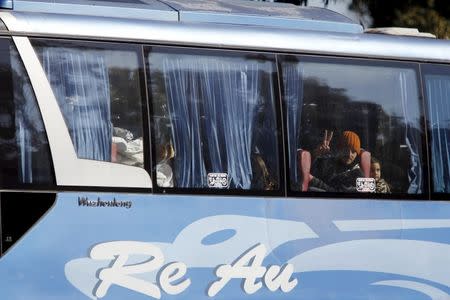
(35, 267)
(218, 237)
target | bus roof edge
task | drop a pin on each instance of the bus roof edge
(232, 12)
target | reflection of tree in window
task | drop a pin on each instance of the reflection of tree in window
(125, 99)
(25, 154)
(381, 133)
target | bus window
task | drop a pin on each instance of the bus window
(25, 154)
(98, 88)
(214, 119)
(353, 126)
(437, 93)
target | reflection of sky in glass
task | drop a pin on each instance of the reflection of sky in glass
(379, 85)
(121, 59)
(232, 63)
(438, 95)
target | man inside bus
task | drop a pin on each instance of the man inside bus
(338, 171)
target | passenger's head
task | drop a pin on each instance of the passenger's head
(375, 169)
(165, 152)
(349, 147)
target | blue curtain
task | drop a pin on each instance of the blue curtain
(293, 100)
(413, 140)
(438, 94)
(183, 103)
(213, 104)
(79, 79)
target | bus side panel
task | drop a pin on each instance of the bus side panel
(118, 246)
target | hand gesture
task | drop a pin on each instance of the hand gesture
(324, 147)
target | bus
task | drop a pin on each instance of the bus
(212, 149)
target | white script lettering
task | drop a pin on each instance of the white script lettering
(171, 273)
(249, 268)
(278, 277)
(119, 273)
(171, 278)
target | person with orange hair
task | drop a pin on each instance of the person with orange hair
(338, 171)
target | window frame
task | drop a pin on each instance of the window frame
(433, 69)
(111, 46)
(267, 57)
(355, 61)
(108, 46)
(284, 189)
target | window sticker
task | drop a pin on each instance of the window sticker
(218, 180)
(216, 112)
(365, 185)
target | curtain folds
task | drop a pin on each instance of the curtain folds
(438, 94)
(80, 82)
(183, 102)
(413, 141)
(213, 104)
(293, 97)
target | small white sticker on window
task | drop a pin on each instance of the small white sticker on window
(218, 180)
(366, 185)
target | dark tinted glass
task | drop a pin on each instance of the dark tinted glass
(214, 119)
(18, 213)
(353, 126)
(25, 155)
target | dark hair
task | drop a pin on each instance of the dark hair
(373, 160)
